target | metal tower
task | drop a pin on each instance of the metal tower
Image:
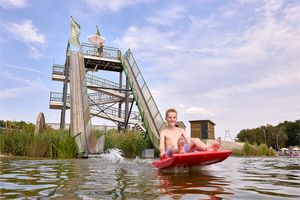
(227, 135)
(92, 96)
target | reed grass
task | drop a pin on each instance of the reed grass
(18, 139)
(49, 143)
(131, 143)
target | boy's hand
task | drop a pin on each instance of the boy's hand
(185, 138)
(163, 156)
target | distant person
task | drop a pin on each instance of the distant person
(174, 140)
(100, 49)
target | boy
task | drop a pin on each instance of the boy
(171, 137)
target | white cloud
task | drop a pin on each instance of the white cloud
(20, 86)
(35, 52)
(203, 23)
(112, 5)
(199, 111)
(276, 80)
(28, 34)
(292, 15)
(13, 3)
(15, 92)
(148, 37)
(271, 7)
(167, 16)
(25, 32)
(37, 83)
(23, 68)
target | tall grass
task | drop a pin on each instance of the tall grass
(18, 139)
(49, 143)
(130, 142)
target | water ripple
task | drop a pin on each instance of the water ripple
(110, 176)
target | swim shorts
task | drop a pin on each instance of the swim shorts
(185, 147)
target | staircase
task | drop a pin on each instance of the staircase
(99, 109)
(94, 83)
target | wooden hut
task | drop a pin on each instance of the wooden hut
(203, 129)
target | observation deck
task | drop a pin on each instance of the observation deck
(101, 57)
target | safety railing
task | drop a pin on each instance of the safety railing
(58, 69)
(100, 51)
(94, 80)
(58, 97)
(98, 97)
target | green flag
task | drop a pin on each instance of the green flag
(74, 33)
(97, 31)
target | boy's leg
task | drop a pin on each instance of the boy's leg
(215, 146)
(199, 145)
(186, 148)
(196, 143)
(169, 152)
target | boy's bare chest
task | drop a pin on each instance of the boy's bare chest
(173, 135)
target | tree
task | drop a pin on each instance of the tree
(285, 134)
(292, 131)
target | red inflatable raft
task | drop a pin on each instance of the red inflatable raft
(192, 159)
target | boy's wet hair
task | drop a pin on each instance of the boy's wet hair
(170, 110)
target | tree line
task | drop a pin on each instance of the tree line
(285, 134)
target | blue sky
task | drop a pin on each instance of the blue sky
(234, 62)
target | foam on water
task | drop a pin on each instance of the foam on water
(113, 155)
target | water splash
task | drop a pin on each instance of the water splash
(114, 155)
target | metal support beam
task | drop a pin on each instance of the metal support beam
(127, 105)
(120, 104)
(127, 118)
(108, 88)
(65, 92)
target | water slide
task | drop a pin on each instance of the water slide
(148, 109)
(81, 126)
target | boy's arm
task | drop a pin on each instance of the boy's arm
(187, 140)
(162, 144)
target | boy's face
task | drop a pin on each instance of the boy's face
(171, 119)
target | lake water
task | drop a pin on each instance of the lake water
(114, 177)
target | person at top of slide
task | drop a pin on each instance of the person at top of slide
(174, 140)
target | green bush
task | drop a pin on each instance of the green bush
(263, 150)
(237, 152)
(247, 148)
(254, 150)
(272, 152)
(131, 143)
(250, 150)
